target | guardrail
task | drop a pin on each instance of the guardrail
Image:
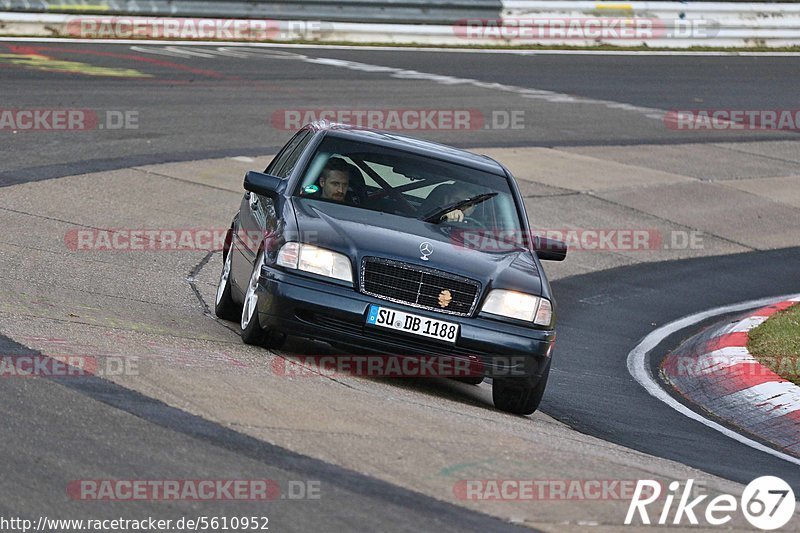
(448, 22)
(515, 8)
(385, 11)
(674, 24)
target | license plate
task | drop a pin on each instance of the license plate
(410, 323)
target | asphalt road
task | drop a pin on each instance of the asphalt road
(188, 107)
(192, 104)
(68, 430)
(605, 314)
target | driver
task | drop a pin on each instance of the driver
(334, 179)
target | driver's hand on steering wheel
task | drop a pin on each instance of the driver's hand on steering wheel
(456, 215)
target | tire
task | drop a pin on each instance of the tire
(224, 306)
(252, 332)
(517, 396)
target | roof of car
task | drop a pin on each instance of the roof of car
(404, 142)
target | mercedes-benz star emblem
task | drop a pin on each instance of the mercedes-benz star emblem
(425, 249)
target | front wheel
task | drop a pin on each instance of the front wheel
(224, 306)
(517, 396)
(252, 332)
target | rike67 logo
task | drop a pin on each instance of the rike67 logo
(767, 503)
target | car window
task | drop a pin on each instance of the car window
(285, 161)
(288, 165)
(409, 185)
(279, 159)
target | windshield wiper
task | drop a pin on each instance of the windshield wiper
(436, 216)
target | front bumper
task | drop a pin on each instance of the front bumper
(304, 306)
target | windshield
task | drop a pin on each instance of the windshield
(376, 178)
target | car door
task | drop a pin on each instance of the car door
(257, 213)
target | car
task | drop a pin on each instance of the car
(375, 241)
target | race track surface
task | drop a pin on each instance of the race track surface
(591, 152)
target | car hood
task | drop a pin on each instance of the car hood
(360, 233)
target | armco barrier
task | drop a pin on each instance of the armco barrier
(694, 23)
(457, 22)
(374, 11)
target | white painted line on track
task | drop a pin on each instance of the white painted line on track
(639, 368)
(525, 92)
(408, 74)
(708, 53)
(394, 72)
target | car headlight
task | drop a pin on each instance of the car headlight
(519, 305)
(310, 258)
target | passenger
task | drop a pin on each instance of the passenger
(447, 194)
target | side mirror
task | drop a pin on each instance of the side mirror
(264, 184)
(549, 249)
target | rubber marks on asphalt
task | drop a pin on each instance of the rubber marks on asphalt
(715, 371)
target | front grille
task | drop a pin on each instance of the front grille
(418, 286)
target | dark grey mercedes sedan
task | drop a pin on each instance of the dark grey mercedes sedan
(379, 242)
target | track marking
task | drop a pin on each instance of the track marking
(408, 74)
(525, 92)
(710, 53)
(640, 369)
(37, 61)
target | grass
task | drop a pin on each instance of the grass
(776, 343)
